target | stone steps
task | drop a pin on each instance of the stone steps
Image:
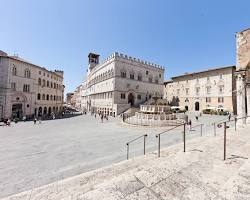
(200, 173)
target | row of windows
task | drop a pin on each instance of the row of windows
(48, 97)
(220, 99)
(123, 96)
(101, 77)
(48, 84)
(26, 87)
(55, 78)
(197, 90)
(208, 79)
(139, 77)
(27, 73)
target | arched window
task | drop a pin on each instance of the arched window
(14, 70)
(47, 83)
(27, 73)
(39, 81)
(51, 97)
(43, 97)
(54, 97)
(123, 74)
(47, 97)
(38, 96)
(44, 83)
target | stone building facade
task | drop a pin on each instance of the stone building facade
(118, 83)
(27, 89)
(243, 75)
(209, 89)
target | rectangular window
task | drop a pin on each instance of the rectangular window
(139, 78)
(123, 96)
(132, 76)
(208, 99)
(221, 89)
(146, 72)
(208, 89)
(197, 91)
(123, 74)
(220, 99)
(13, 86)
(26, 88)
(178, 91)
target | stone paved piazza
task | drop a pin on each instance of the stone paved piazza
(34, 155)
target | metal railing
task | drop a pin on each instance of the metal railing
(197, 125)
(219, 125)
(144, 144)
(184, 137)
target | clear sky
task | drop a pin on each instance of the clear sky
(182, 35)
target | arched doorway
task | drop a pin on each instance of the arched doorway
(131, 99)
(17, 110)
(40, 111)
(197, 106)
(49, 112)
(186, 108)
(45, 110)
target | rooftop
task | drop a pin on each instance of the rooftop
(204, 71)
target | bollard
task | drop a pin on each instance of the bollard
(127, 150)
(201, 129)
(184, 137)
(214, 129)
(159, 145)
(235, 122)
(145, 144)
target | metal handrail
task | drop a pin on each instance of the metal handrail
(201, 125)
(219, 125)
(221, 122)
(159, 137)
(144, 144)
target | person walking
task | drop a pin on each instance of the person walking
(102, 117)
(190, 125)
(229, 116)
(35, 120)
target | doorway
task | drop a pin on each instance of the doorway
(17, 111)
(197, 106)
(131, 99)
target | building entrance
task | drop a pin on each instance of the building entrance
(131, 99)
(197, 106)
(17, 111)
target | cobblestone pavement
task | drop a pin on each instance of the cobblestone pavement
(35, 155)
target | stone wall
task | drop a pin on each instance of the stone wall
(243, 49)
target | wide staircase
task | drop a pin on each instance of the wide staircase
(198, 173)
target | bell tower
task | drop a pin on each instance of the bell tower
(93, 61)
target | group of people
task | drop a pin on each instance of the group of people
(101, 115)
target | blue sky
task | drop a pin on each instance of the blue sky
(182, 35)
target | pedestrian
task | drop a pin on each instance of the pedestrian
(229, 116)
(95, 115)
(8, 122)
(107, 117)
(190, 125)
(35, 120)
(40, 119)
(102, 117)
(196, 117)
